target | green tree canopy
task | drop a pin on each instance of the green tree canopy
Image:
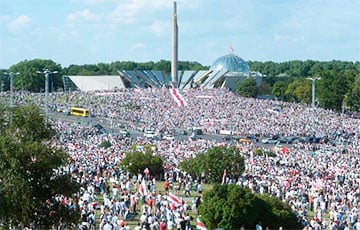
(279, 89)
(332, 88)
(30, 179)
(352, 98)
(213, 162)
(29, 79)
(140, 159)
(248, 88)
(300, 90)
(230, 207)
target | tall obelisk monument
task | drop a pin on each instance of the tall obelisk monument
(174, 50)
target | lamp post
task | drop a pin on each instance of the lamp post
(46, 73)
(12, 74)
(313, 90)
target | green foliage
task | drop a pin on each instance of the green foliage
(28, 163)
(260, 152)
(230, 207)
(213, 162)
(248, 88)
(352, 98)
(111, 69)
(105, 144)
(32, 123)
(137, 161)
(29, 79)
(331, 90)
(279, 89)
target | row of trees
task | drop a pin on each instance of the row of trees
(338, 88)
(336, 91)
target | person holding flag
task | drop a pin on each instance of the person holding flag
(143, 190)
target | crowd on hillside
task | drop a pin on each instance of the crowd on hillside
(323, 178)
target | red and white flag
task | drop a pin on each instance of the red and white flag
(142, 188)
(199, 224)
(179, 99)
(174, 199)
(231, 48)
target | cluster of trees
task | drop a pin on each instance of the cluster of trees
(338, 87)
(210, 165)
(138, 160)
(334, 90)
(30, 179)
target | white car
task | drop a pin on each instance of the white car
(169, 137)
(150, 133)
(269, 141)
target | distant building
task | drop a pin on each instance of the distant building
(226, 71)
(237, 70)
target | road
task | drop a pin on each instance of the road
(112, 127)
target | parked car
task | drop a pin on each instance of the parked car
(269, 141)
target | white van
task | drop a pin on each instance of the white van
(150, 133)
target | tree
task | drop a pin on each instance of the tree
(248, 88)
(331, 89)
(279, 89)
(300, 90)
(213, 162)
(230, 207)
(352, 98)
(31, 179)
(29, 79)
(140, 159)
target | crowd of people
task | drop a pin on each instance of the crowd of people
(323, 178)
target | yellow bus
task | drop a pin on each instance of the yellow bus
(79, 112)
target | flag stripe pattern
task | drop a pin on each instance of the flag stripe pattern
(200, 225)
(179, 99)
(174, 199)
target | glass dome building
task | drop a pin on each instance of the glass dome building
(231, 63)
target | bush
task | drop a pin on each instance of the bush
(105, 144)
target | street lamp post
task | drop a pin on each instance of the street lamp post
(313, 90)
(46, 73)
(12, 74)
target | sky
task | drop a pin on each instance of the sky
(104, 31)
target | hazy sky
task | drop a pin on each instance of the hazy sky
(104, 31)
